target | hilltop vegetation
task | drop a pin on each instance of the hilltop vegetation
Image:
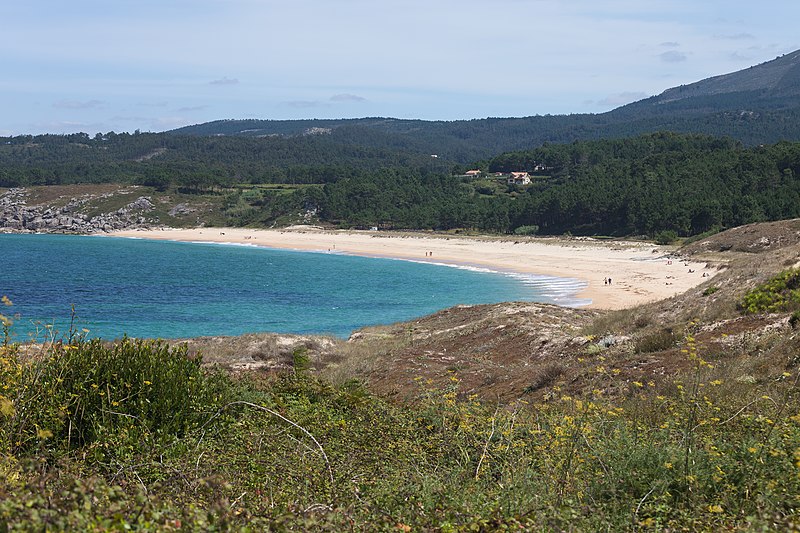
(687, 184)
(664, 182)
(195, 163)
(675, 415)
(757, 105)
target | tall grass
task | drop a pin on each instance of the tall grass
(209, 452)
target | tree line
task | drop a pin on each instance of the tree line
(683, 183)
(162, 160)
(688, 184)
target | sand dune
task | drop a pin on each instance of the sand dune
(639, 272)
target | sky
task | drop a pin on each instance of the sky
(153, 65)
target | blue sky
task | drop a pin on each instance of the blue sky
(121, 65)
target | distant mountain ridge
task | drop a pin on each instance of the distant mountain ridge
(757, 105)
(779, 78)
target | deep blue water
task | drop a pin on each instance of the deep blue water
(172, 290)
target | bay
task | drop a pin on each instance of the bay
(163, 289)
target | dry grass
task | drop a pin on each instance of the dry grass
(619, 322)
(59, 195)
(545, 376)
(359, 359)
(657, 341)
(264, 351)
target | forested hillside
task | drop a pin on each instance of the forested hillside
(644, 185)
(738, 116)
(164, 160)
(757, 105)
(689, 184)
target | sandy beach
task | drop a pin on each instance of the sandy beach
(639, 272)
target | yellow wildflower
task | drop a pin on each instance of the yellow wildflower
(6, 407)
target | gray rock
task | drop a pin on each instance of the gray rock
(16, 216)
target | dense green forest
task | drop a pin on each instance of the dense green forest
(686, 184)
(165, 160)
(644, 185)
(468, 140)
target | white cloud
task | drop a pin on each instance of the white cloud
(77, 104)
(344, 97)
(224, 81)
(673, 56)
(737, 37)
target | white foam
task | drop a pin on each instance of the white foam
(236, 244)
(561, 291)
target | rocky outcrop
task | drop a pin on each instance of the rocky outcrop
(181, 210)
(17, 216)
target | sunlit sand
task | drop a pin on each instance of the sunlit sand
(638, 272)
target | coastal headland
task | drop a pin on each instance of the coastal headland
(618, 274)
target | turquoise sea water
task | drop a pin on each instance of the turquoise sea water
(174, 290)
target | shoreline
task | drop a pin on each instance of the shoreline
(639, 272)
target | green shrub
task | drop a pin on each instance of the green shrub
(661, 340)
(666, 237)
(594, 349)
(526, 230)
(700, 236)
(78, 394)
(710, 290)
(781, 293)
